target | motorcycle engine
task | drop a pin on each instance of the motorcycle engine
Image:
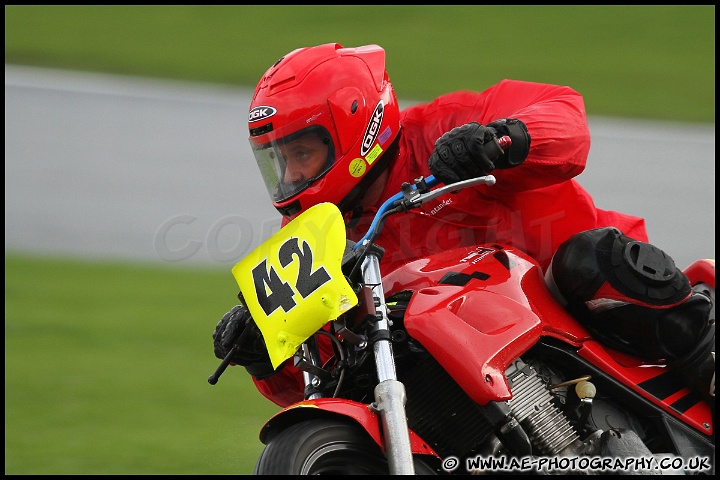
(536, 409)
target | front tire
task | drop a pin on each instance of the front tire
(325, 447)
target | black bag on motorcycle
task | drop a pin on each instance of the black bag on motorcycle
(632, 298)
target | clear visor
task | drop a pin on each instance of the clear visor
(291, 164)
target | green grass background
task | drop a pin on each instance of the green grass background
(106, 363)
(106, 368)
(638, 61)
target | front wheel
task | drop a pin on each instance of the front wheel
(326, 447)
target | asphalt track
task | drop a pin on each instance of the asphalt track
(127, 168)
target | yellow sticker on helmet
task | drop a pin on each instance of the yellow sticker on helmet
(293, 283)
(357, 167)
(373, 154)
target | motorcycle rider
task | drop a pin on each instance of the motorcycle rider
(325, 126)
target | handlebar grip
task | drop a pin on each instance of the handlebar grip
(492, 149)
(497, 147)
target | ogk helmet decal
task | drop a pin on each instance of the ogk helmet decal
(339, 104)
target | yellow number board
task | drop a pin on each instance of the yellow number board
(293, 283)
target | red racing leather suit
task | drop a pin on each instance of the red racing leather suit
(534, 206)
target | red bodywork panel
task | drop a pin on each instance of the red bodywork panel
(472, 310)
(701, 271)
(477, 309)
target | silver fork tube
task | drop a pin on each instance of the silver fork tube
(313, 356)
(389, 393)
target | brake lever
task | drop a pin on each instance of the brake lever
(413, 198)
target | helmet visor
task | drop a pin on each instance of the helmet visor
(292, 163)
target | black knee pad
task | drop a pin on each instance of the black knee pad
(629, 294)
(605, 264)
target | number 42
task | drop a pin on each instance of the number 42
(281, 293)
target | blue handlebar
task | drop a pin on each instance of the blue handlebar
(431, 181)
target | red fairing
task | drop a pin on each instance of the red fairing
(477, 309)
(472, 311)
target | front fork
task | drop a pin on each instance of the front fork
(389, 393)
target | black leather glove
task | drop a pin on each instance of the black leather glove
(252, 354)
(470, 150)
(459, 154)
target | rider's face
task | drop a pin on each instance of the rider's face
(304, 158)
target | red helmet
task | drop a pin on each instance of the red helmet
(344, 97)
